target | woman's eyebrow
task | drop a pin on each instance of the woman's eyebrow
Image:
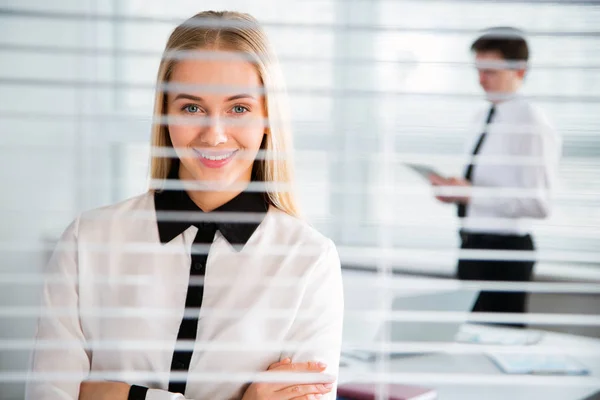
(241, 96)
(188, 97)
(200, 99)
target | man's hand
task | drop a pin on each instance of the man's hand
(288, 391)
(436, 180)
(103, 391)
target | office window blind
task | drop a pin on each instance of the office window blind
(372, 85)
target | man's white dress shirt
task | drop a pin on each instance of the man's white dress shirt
(514, 171)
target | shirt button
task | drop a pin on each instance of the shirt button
(198, 266)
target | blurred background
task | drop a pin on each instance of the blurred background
(373, 84)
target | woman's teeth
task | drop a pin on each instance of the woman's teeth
(216, 157)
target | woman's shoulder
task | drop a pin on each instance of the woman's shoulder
(288, 229)
(116, 216)
(141, 202)
(313, 253)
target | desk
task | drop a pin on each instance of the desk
(465, 375)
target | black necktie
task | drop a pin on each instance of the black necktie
(462, 208)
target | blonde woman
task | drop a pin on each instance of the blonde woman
(196, 288)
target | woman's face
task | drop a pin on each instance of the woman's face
(225, 99)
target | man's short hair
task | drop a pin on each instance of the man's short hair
(510, 42)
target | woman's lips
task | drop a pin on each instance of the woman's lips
(215, 159)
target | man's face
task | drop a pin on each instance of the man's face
(495, 77)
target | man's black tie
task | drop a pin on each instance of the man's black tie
(462, 208)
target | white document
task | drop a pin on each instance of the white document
(539, 364)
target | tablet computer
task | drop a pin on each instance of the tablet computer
(424, 170)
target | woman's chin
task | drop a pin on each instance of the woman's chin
(208, 185)
(215, 184)
(215, 179)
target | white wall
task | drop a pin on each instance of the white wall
(42, 159)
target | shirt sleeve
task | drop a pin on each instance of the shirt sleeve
(535, 154)
(60, 360)
(319, 338)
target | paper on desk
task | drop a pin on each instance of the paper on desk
(497, 336)
(539, 364)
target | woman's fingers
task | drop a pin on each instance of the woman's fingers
(295, 371)
(309, 366)
(286, 360)
(308, 397)
(303, 391)
(295, 385)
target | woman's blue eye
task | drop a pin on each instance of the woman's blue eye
(191, 108)
(239, 109)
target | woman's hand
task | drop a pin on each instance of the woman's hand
(103, 391)
(288, 391)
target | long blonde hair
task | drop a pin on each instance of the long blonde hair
(238, 32)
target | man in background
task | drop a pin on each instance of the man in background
(508, 179)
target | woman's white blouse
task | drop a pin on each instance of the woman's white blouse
(115, 297)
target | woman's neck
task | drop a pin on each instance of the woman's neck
(210, 200)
